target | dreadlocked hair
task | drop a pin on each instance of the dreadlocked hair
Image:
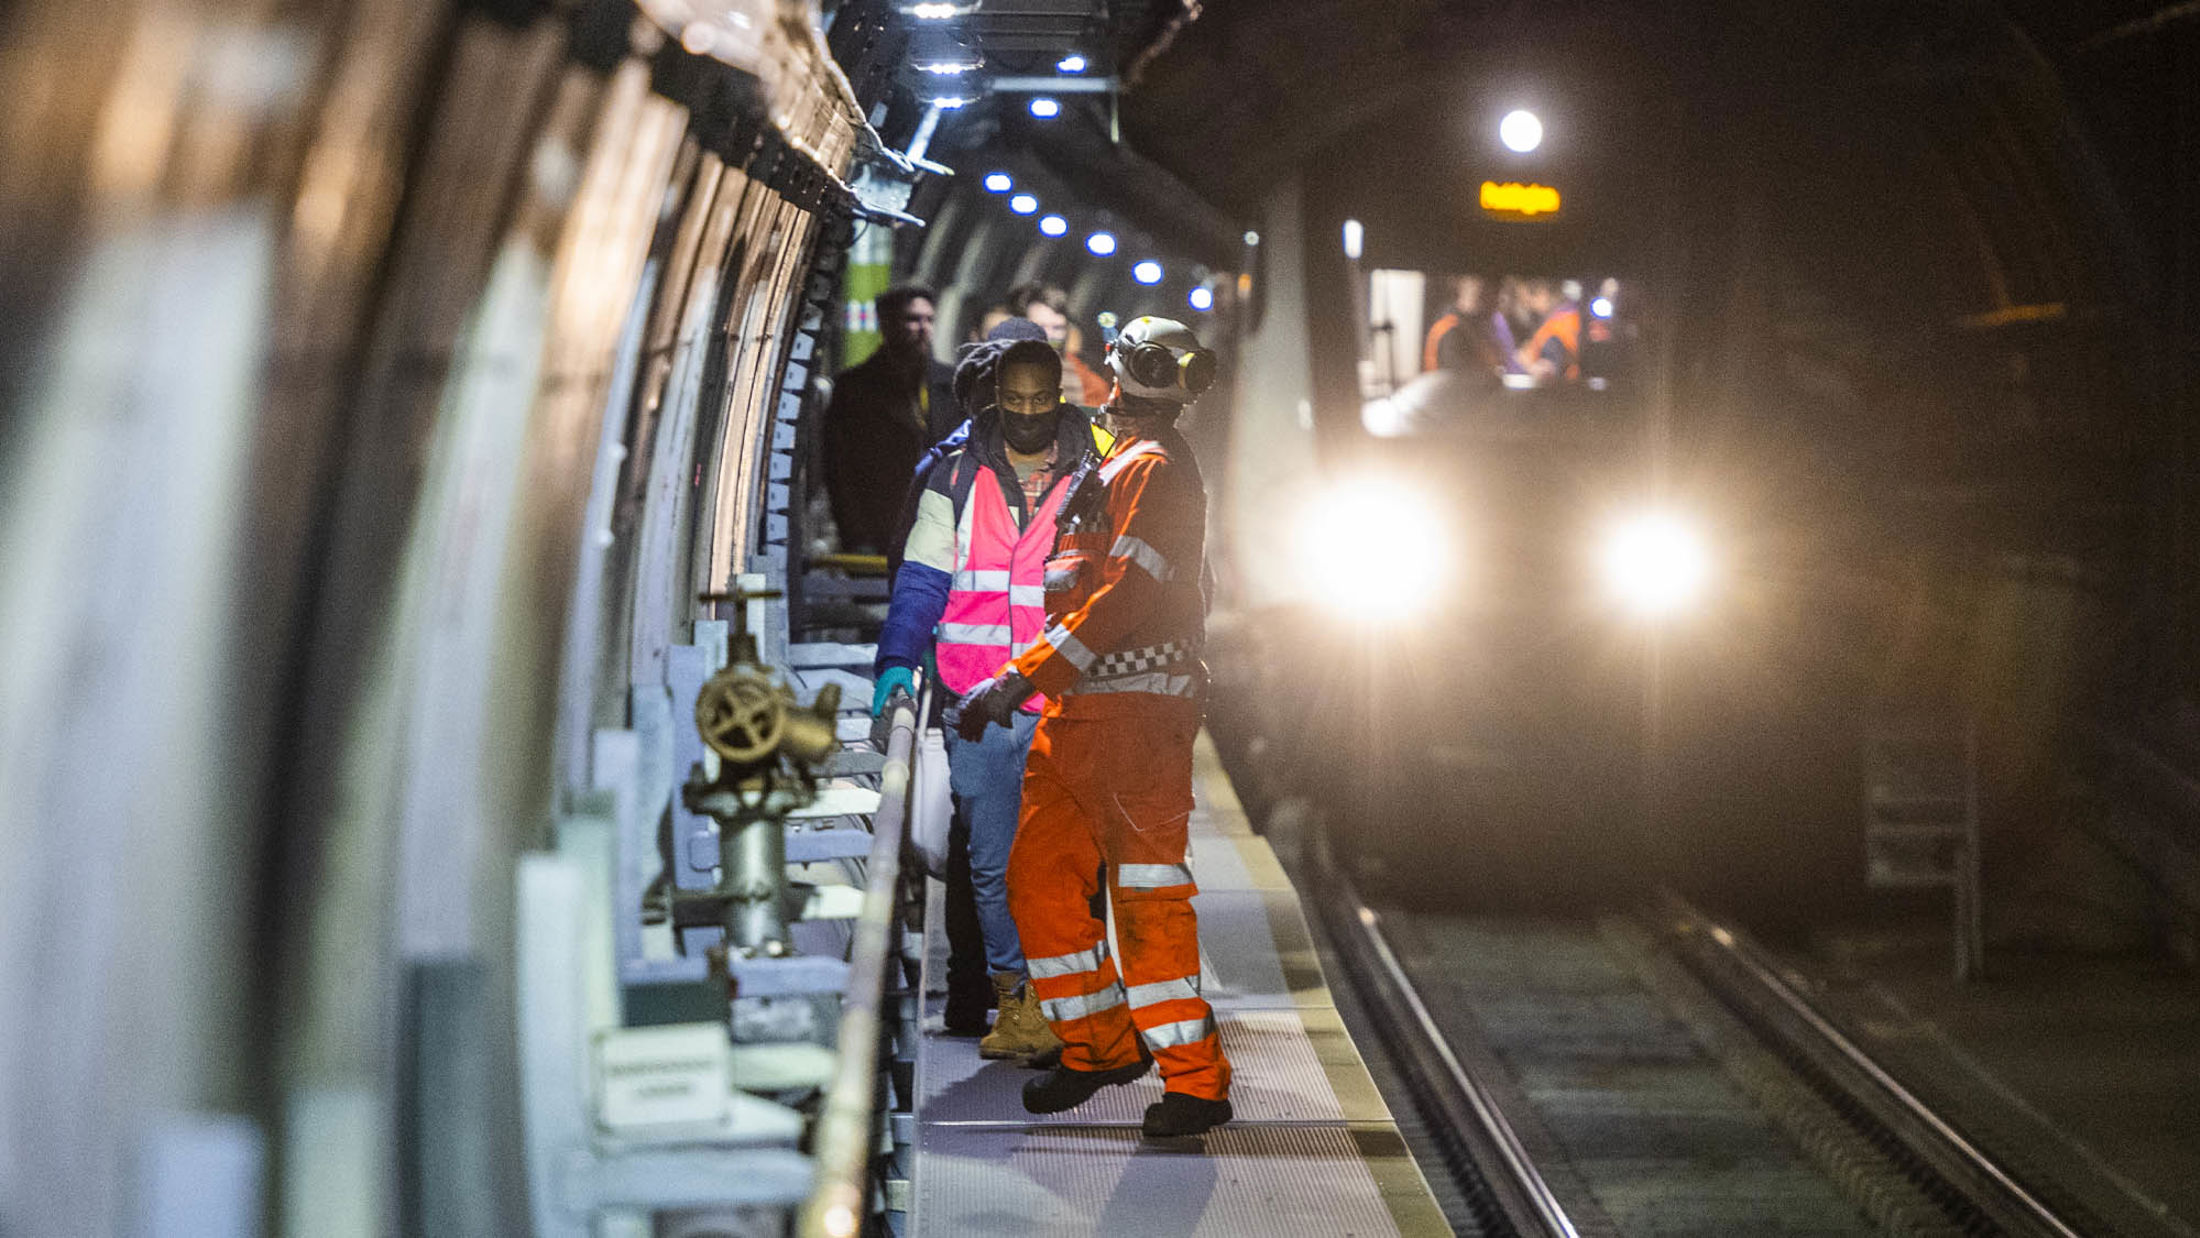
(976, 372)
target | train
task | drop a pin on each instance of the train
(1475, 577)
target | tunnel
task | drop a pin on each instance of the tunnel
(1636, 566)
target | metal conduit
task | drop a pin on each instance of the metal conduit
(847, 1129)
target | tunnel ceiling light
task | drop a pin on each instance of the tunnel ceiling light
(1656, 564)
(1046, 107)
(948, 103)
(1355, 239)
(1202, 298)
(1023, 204)
(948, 68)
(1252, 239)
(1601, 307)
(1073, 63)
(1101, 243)
(1148, 272)
(935, 12)
(1054, 225)
(998, 182)
(1520, 131)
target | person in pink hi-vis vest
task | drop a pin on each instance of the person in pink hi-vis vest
(971, 589)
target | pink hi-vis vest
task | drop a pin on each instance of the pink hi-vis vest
(997, 601)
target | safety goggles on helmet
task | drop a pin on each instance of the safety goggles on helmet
(1158, 359)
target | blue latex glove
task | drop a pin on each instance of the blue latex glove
(882, 689)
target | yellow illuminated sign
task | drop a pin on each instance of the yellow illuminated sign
(1514, 198)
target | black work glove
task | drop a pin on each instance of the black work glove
(992, 703)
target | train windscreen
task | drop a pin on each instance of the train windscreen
(1443, 345)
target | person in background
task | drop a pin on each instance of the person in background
(993, 317)
(1048, 306)
(970, 589)
(1460, 338)
(882, 415)
(1507, 324)
(1554, 352)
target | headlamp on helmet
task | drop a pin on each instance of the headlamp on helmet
(1160, 359)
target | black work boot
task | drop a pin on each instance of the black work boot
(1064, 1088)
(968, 998)
(1177, 1115)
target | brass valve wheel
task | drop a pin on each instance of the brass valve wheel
(742, 716)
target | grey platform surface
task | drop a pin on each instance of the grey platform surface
(1313, 1150)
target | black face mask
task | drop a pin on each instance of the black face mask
(1030, 434)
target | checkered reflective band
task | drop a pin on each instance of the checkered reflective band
(1138, 661)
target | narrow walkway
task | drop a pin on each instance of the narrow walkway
(1313, 1150)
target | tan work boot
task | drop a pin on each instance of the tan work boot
(1019, 1030)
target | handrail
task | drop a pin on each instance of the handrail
(854, 565)
(846, 1129)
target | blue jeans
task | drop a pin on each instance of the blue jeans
(987, 778)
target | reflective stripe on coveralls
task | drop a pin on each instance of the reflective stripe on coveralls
(1070, 964)
(1153, 876)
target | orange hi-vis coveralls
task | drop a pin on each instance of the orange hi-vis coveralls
(1110, 773)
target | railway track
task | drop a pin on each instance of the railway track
(1855, 1150)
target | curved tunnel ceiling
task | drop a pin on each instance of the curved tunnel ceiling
(1272, 83)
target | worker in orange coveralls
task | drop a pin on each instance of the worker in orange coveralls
(1110, 773)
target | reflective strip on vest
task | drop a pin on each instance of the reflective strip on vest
(1064, 1009)
(981, 582)
(1178, 1035)
(1145, 556)
(1070, 647)
(1027, 595)
(1068, 964)
(1157, 684)
(975, 634)
(1143, 995)
(1152, 876)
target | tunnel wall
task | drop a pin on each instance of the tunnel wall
(397, 381)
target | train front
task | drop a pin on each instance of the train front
(1483, 557)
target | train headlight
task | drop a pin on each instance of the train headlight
(1656, 564)
(1375, 550)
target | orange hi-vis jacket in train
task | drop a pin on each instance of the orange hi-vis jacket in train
(1110, 773)
(1564, 325)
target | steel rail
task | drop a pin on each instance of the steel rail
(847, 1134)
(1519, 1192)
(1929, 1137)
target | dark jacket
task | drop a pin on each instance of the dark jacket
(877, 427)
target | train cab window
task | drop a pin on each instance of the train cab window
(1438, 345)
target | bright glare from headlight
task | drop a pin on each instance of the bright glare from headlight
(1656, 564)
(1375, 551)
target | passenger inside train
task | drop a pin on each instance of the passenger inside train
(1532, 332)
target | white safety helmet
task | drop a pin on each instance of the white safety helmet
(1160, 359)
